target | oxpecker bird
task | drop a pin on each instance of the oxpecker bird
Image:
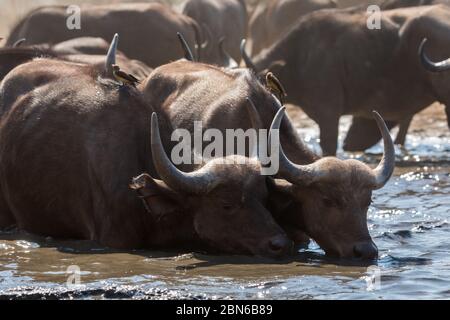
(274, 85)
(124, 78)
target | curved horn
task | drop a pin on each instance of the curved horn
(384, 170)
(294, 173)
(430, 65)
(199, 181)
(19, 42)
(248, 61)
(229, 62)
(187, 51)
(111, 55)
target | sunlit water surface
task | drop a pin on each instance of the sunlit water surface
(409, 221)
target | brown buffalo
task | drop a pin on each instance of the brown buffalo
(330, 205)
(72, 51)
(384, 71)
(364, 132)
(148, 30)
(394, 4)
(83, 45)
(69, 147)
(135, 67)
(271, 21)
(329, 199)
(225, 19)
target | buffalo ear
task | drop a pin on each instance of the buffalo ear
(280, 195)
(161, 201)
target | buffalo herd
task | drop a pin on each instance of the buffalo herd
(86, 156)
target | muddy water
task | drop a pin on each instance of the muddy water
(409, 221)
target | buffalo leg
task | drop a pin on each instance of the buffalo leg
(363, 134)
(301, 239)
(447, 112)
(6, 217)
(329, 136)
(403, 130)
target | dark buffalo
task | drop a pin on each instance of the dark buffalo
(329, 199)
(135, 67)
(368, 69)
(72, 141)
(148, 30)
(14, 56)
(219, 19)
(271, 21)
(394, 4)
(83, 45)
(330, 204)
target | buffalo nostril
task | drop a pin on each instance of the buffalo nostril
(365, 250)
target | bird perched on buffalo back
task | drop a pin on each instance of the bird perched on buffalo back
(123, 77)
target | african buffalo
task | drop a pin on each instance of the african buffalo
(271, 21)
(70, 51)
(330, 204)
(432, 66)
(226, 19)
(135, 67)
(364, 132)
(329, 199)
(148, 29)
(369, 68)
(394, 4)
(83, 45)
(69, 147)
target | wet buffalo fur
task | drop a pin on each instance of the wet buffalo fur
(69, 147)
(70, 144)
(332, 211)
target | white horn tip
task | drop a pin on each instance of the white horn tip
(379, 118)
(115, 40)
(154, 118)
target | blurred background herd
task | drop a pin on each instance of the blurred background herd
(12, 10)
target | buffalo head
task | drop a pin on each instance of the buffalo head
(224, 199)
(329, 198)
